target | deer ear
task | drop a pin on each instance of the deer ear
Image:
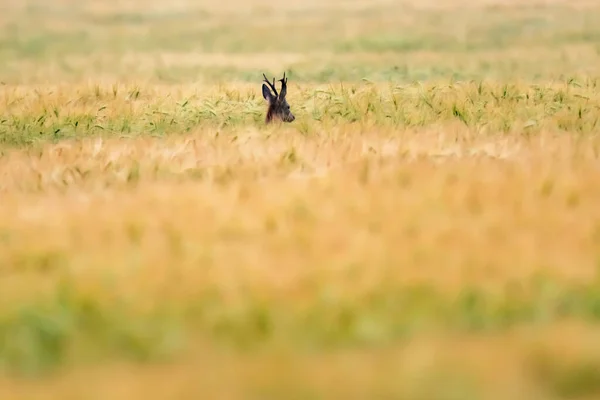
(266, 92)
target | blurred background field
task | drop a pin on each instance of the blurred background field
(203, 41)
(427, 228)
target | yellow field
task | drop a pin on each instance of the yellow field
(427, 228)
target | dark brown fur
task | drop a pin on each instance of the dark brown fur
(278, 105)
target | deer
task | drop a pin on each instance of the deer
(278, 105)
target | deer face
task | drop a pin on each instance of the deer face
(278, 105)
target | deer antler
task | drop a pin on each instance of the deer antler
(283, 86)
(271, 85)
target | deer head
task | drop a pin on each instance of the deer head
(278, 105)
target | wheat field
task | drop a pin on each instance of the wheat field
(427, 228)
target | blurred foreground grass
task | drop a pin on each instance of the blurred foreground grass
(423, 240)
(269, 250)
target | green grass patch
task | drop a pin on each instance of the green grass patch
(136, 111)
(69, 326)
